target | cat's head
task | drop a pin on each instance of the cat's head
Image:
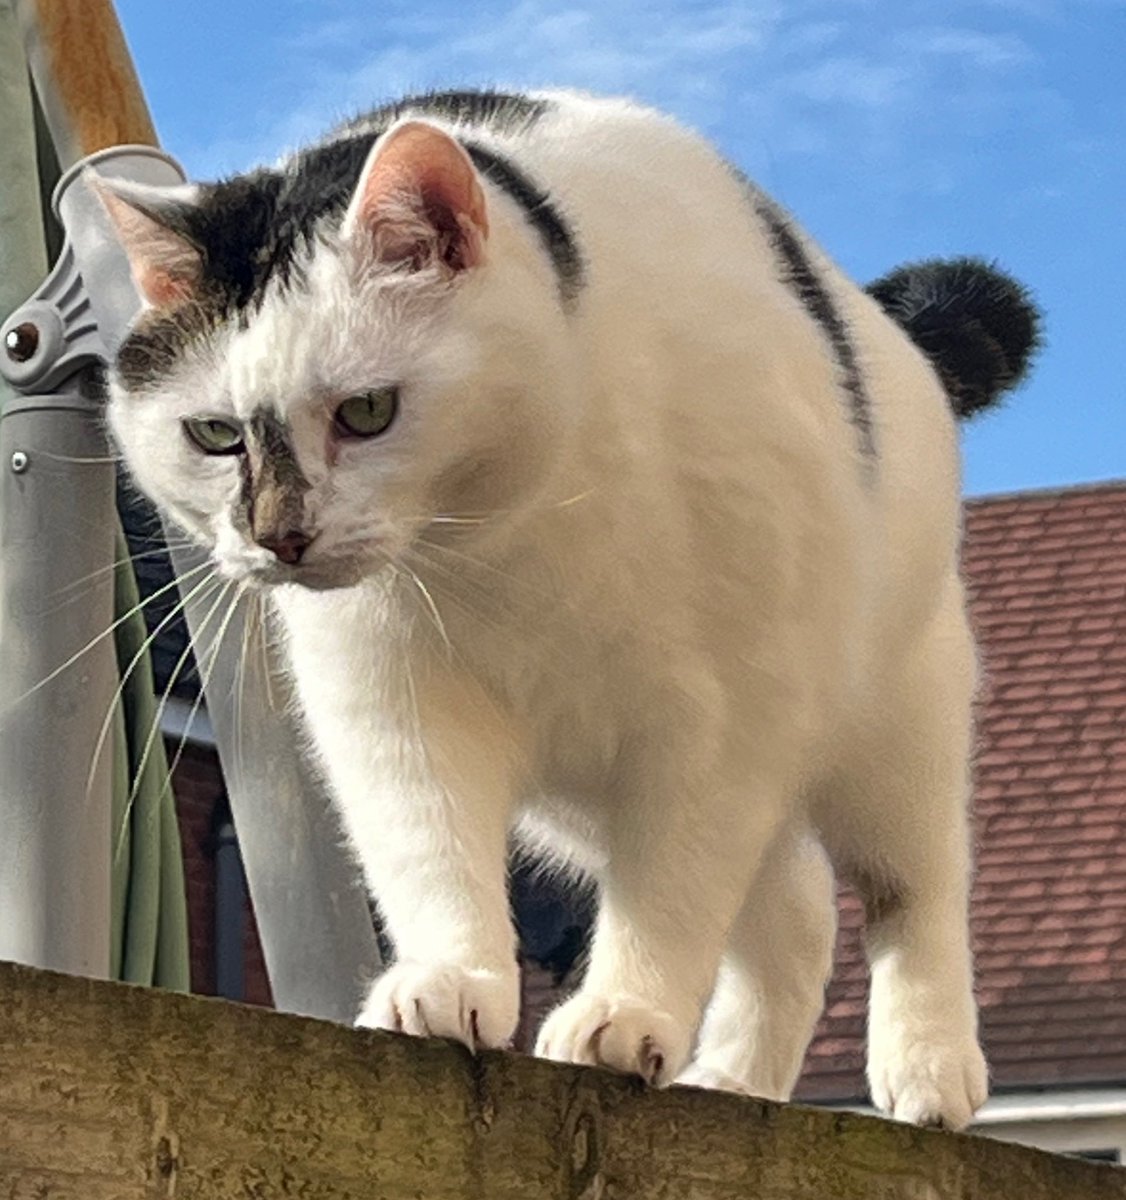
(325, 365)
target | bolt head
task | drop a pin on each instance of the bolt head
(22, 341)
(19, 461)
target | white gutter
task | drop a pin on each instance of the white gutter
(1071, 1104)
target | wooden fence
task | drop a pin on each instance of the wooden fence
(111, 1092)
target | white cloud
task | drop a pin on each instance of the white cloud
(986, 51)
(772, 80)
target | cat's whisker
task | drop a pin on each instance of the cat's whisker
(116, 624)
(93, 460)
(154, 731)
(440, 520)
(576, 499)
(267, 674)
(239, 685)
(107, 723)
(432, 608)
(467, 596)
(205, 680)
(525, 585)
(476, 519)
(110, 567)
(463, 583)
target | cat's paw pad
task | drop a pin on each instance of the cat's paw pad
(476, 1006)
(937, 1080)
(619, 1032)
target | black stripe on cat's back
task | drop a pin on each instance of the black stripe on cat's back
(801, 277)
(542, 214)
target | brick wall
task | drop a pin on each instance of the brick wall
(201, 806)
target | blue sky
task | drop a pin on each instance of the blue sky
(893, 129)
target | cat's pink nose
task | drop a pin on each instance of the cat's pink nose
(288, 546)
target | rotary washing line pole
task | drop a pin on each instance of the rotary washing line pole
(57, 529)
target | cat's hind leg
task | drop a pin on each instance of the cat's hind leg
(897, 827)
(771, 985)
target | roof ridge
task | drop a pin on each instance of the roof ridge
(1067, 489)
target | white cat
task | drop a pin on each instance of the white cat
(595, 504)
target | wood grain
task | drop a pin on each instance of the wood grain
(84, 75)
(109, 1092)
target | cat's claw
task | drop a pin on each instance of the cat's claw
(619, 1032)
(475, 1006)
(931, 1079)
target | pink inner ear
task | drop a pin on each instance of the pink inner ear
(161, 288)
(421, 200)
(166, 267)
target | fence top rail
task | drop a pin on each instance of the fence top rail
(109, 1091)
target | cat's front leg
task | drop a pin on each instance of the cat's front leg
(426, 802)
(681, 859)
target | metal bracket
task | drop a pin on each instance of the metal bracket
(54, 335)
(59, 331)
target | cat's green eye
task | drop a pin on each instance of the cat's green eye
(213, 435)
(367, 414)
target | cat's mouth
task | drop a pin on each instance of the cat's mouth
(317, 577)
(316, 566)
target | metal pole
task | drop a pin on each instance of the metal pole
(57, 521)
(57, 528)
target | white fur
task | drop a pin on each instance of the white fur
(692, 636)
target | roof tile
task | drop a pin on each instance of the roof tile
(1046, 575)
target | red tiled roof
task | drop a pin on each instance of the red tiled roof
(1047, 577)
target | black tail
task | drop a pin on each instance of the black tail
(977, 325)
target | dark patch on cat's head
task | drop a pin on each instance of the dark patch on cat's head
(251, 230)
(159, 340)
(272, 499)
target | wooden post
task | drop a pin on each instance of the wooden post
(109, 1092)
(84, 77)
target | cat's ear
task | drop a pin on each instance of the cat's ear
(167, 267)
(419, 202)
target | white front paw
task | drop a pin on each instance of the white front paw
(928, 1077)
(619, 1032)
(473, 1005)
